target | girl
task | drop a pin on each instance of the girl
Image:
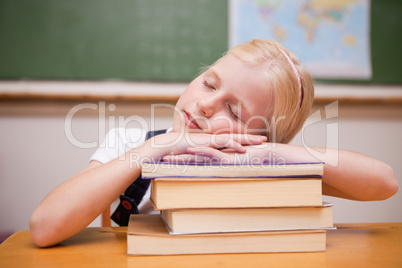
(248, 105)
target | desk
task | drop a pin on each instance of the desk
(352, 245)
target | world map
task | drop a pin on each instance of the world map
(330, 37)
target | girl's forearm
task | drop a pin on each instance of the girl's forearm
(74, 204)
(77, 202)
(358, 177)
(346, 174)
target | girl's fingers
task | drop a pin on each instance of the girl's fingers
(186, 158)
(225, 142)
(255, 139)
(248, 139)
(207, 152)
(236, 141)
(234, 145)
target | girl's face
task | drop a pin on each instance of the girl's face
(230, 97)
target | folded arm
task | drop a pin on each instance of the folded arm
(77, 202)
(347, 174)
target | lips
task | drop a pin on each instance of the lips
(190, 122)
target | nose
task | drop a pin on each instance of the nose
(208, 106)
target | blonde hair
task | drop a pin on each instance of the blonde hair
(289, 112)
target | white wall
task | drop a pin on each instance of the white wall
(36, 155)
(373, 130)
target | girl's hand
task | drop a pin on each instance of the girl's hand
(173, 144)
(255, 153)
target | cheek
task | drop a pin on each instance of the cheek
(181, 100)
(223, 124)
(191, 90)
(257, 126)
(184, 97)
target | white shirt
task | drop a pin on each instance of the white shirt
(117, 142)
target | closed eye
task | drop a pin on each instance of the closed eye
(232, 113)
(206, 84)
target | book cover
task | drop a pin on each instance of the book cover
(188, 221)
(152, 170)
(179, 193)
(147, 235)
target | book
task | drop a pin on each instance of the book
(189, 221)
(147, 235)
(151, 170)
(180, 193)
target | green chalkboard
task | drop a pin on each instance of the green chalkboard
(157, 40)
(386, 41)
(146, 40)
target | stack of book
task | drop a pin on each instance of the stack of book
(207, 208)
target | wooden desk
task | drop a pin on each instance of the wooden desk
(352, 245)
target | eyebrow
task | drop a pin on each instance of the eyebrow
(244, 114)
(216, 76)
